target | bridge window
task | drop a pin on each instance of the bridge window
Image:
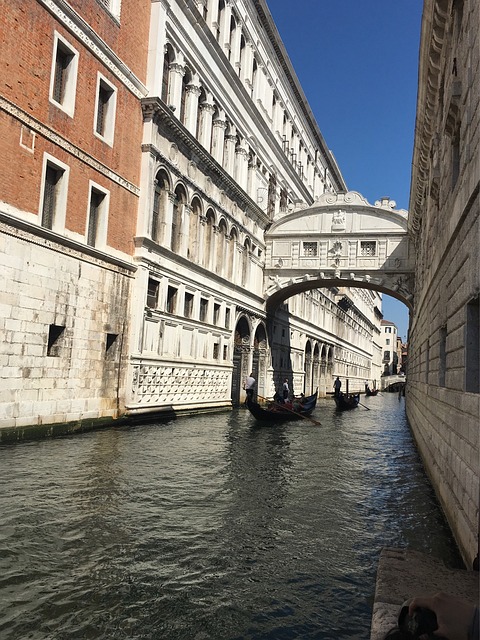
(310, 249)
(368, 248)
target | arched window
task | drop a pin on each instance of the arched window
(254, 78)
(241, 67)
(168, 58)
(233, 26)
(160, 195)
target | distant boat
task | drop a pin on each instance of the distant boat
(278, 412)
(371, 392)
(347, 401)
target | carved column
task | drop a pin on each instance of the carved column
(235, 48)
(247, 65)
(186, 212)
(229, 156)
(176, 73)
(225, 18)
(191, 108)
(165, 228)
(205, 126)
(241, 165)
(218, 139)
(156, 46)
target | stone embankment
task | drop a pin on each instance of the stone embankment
(404, 574)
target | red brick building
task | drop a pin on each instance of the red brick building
(73, 75)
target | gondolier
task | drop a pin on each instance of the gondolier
(249, 386)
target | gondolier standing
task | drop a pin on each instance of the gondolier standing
(286, 390)
(337, 385)
(249, 386)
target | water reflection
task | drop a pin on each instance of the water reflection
(211, 527)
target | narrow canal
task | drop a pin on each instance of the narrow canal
(211, 527)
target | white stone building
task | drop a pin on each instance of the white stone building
(443, 389)
(229, 145)
(389, 348)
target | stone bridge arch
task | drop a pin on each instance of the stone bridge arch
(340, 241)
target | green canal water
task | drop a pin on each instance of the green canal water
(211, 527)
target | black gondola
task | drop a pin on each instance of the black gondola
(277, 412)
(371, 392)
(347, 401)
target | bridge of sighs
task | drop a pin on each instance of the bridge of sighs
(340, 241)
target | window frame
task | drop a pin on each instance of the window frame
(108, 130)
(60, 209)
(102, 218)
(67, 104)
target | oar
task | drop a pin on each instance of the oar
(365, 406)
(291, 410)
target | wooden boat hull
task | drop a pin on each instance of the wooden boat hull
(371, 392)
(344, 402)
(280, 413)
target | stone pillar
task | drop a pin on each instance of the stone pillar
(235, 48)
(247, 65)
(218, 138)
(156, 46)
(191, 108)
(176, 73)
(229, 156)
(212, 16)
(145, 204)
(165, 226)
(241, 165)
(207, 110)
(225, 18)
(186, 212)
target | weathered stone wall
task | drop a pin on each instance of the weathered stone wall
(45, 283)
(443, 393)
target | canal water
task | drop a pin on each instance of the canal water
(211, 527)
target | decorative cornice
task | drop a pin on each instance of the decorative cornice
(63, 143)
(74, 23)
(153, 108)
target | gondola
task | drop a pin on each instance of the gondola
(278, 412)
(371, 392)
(347, 401)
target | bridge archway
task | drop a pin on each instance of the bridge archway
(340, 241)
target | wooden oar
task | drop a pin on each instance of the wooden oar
(365, 406)
(278, 404)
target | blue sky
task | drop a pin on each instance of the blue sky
(357, 62)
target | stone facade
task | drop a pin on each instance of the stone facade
(443, 391)
(72, 75)
(147, 146)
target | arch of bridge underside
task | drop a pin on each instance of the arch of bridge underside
(340, 241)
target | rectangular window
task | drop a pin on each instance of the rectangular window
(225, 352)
(152, 293)
(188, 305)
(171, 299)
(387, 342)
(63, 80)
(203, 310)
(388, 329)
(216, 314)
(386, 356)
(96, 227)
(472, 347)
(310, 249)
(113, 6)
(110, 344)
(54, 195)
(55, 340)
(216, 348)
(105, 110)
(227, 318)
(368, 248)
